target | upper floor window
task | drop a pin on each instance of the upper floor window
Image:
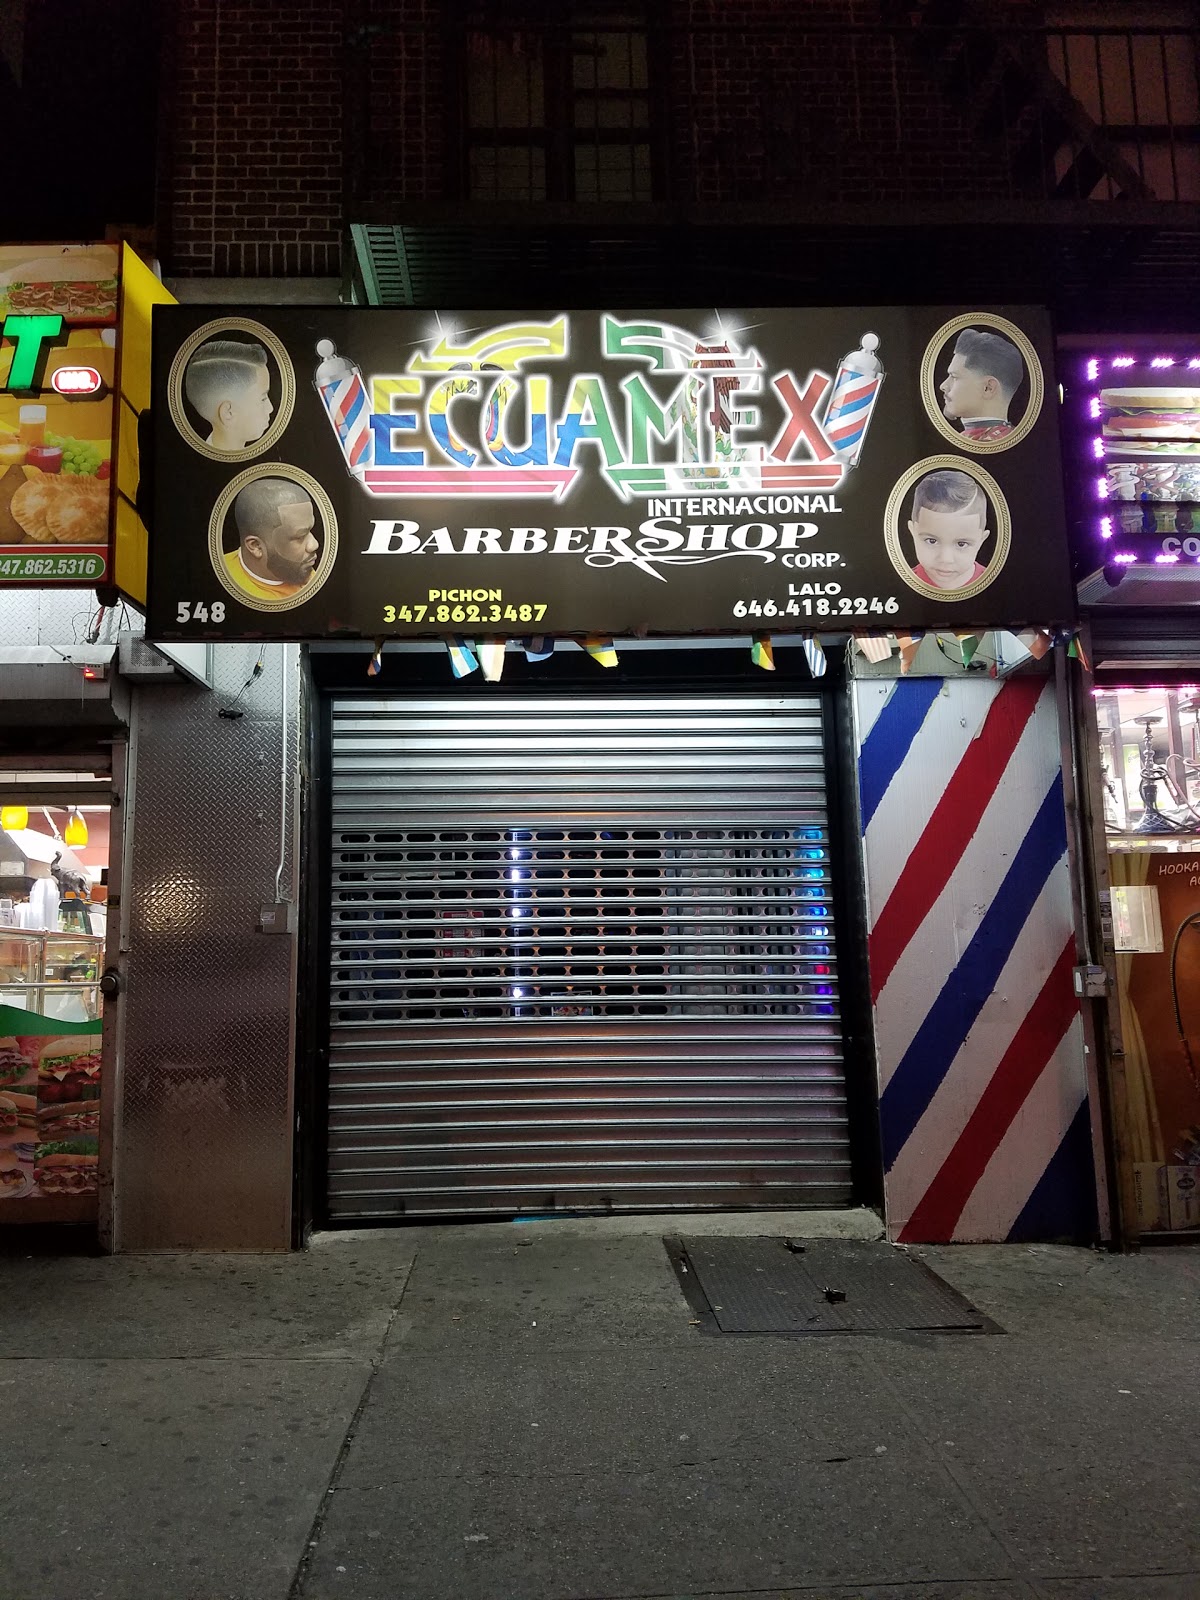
(1135, 70)
(556, 103)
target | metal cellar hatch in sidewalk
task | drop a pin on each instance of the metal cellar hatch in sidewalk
(774, 1285)
(582, 956)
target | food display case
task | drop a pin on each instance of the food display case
(56, 975)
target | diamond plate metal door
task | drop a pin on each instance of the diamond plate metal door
(205, 1146)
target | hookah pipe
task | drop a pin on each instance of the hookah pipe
(1188, 921)
(1154, 772)
(1190, 772)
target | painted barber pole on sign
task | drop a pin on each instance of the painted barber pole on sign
(983, 1109)
(852, 400)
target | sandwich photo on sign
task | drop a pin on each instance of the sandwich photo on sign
(66, 1160)
(1150, 421)
(69, 1069)
(15, 1066)
(15, 1178)
(67, 1166)
(18, 1119)
(77, 282)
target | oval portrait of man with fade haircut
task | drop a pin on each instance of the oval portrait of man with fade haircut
(227, 383)
(981, 383)
(272, 538)
(231, 390)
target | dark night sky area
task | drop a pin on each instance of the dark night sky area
(80, 124)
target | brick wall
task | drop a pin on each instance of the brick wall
(276, 108)
(252, 172)
(771, 101)
(400, 85)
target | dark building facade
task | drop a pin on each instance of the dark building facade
(796, 151)
(536, 157)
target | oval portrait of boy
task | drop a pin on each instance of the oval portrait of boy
(981, 383)
(272, 537)
(231, 389)
(947, 528)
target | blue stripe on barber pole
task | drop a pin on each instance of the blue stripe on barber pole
(890, 739)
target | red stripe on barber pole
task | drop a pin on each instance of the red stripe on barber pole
(951, 827)
(1035, 1041)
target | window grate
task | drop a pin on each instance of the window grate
(530, 923)
(582, 955)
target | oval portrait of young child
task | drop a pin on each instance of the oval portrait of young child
(272, 537)
(981, 383)
(231, 389)
(947, 528)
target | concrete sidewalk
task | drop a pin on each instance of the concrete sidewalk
(527, 1412)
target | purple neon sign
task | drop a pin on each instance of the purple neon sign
(1180, 543)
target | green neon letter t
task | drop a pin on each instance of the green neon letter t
(30, 334)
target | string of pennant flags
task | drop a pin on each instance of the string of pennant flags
(879, 647)
(487, 655)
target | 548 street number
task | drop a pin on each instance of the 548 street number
(197, 611)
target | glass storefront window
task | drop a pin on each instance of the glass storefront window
(1150, 771)
(1150, 766)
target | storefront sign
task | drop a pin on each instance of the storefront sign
(49, 1113)
(345, 472)
(141, 291)
(1138, 426)
(58, 305)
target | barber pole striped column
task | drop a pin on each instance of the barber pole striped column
(983, 1110)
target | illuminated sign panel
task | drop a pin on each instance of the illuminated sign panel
(58, 305)
(1138, 423)
(348, 472)
(76, 381)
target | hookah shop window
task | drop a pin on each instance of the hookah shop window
(1150, 765)
(1150, 772)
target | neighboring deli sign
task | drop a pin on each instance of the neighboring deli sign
(370, 473)
(58, 313)
(1137, 424)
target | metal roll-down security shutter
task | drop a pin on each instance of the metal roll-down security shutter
(582, 957)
